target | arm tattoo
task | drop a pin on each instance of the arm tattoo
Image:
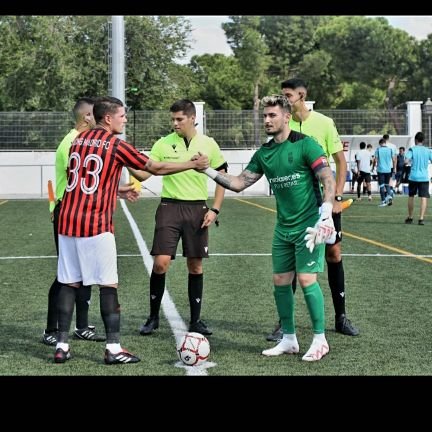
(249, 178)
(325, 176)
(237, 183)
(223, 180)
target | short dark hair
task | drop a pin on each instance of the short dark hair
(362, 145)
(105, 105)
(382, 141)
(76, 110)
(386, 136)
(402, 148)
(369, 145)
(294, 83)
(185, 105)
(419, 136)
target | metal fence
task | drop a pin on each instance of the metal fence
(369, 122)
(427, 124)
(33, 130)
(231, 129)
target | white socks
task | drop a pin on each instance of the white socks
(64, 346)
(114, 348)
(288, 345)
(289, 340)
(318, 349)
(320, 338)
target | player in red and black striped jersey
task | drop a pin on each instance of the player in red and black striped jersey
(87, 250)
(96, 160)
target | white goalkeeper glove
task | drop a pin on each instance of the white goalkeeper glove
(323, 231)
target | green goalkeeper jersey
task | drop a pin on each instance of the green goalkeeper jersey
(290, 168)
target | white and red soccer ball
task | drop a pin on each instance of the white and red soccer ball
(193, 349)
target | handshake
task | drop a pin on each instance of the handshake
(201, 162)
(323, 231)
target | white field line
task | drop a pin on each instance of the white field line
(175, 321)
(226, 254)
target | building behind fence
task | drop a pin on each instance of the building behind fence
(43, 131)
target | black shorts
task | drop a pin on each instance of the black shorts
(420, 188)
(406, 173)
(364, 176)
(177, 219)
(337, 220)
(56, 218)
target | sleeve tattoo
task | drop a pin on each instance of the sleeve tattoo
(237, 183)
(325, 175)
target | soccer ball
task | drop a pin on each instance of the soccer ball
(193, 349)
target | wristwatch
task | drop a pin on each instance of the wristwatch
(338, 198)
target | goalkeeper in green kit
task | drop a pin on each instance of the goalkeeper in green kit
(296, 167)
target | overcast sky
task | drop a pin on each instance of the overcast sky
(208, 36)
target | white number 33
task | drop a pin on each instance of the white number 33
(92, 160)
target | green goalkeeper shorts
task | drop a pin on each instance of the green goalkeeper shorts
(289, 253)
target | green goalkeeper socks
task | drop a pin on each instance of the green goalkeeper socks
(315, 303)
(284, 298)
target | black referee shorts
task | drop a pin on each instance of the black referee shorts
(177, 219)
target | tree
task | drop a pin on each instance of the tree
(46, 62)
(249, 47)
(152, 45)
(419, 84)
(34, 51)
(368, 51)
(221, 82)
(289, 40)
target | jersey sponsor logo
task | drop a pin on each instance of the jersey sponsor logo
(282, 179)
(206, 249)
(287, 181)
(310, 264)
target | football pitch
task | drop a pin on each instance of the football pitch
(387, 271)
